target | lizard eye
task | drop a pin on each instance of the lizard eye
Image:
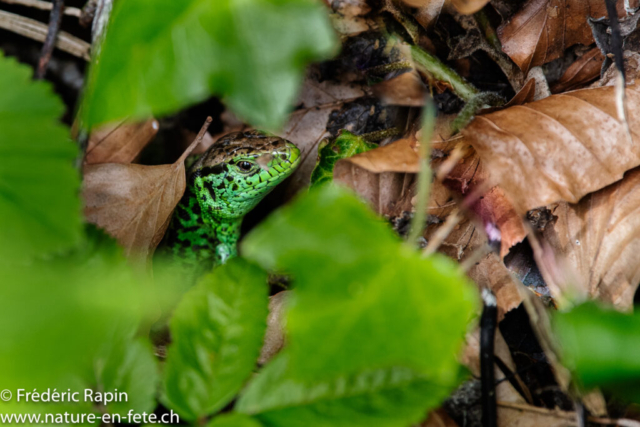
(245, 166)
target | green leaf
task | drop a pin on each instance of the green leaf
(217, 332)
(129, 366)
(370, 321)
(56, 316)
(39, 204)
(234, 419)
(330, 151)
(390, 397)
(162, 55)
(601, 346)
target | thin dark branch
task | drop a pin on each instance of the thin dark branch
(55, 19)
(616, 37)
(488, 324)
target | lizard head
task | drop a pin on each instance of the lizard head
(239, 170)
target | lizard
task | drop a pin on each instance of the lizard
(223, 185)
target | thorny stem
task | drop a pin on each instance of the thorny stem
(440, 71)
(55, 19)
(424, 176)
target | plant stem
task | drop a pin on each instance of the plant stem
(424, 176)
(489, 33)
(440, 71)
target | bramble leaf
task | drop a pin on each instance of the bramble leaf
(217, 332)
(39, 204)
(162, 55)
(373, 328)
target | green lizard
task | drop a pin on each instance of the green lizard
(223, 185)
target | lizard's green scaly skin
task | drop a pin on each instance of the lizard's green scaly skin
(223, 185)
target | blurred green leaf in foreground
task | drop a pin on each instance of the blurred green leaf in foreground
(66, 321)
(217, 331)
(162, 55)
(373, 329)
(602, 347)
(39, 205)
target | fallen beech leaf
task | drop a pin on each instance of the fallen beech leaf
(543, 29)
(560, 148)
(120, 143)
(599, 238)
(471, 359)
(490, 272)
(493, 207)
(134, 203)
(468, 7)
(584, 70)
(383, 176)
(407, 89)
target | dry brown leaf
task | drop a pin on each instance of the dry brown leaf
(429, 11)
(492, 208)
(524, 415)
(584, 70)
(134, 203)
(120, 143)
(543, 29)
(504, 390)
(383, 176)
(490, 272)
(560, 148)
(468, 7)
(274, 336)
(407, 89)
(438, 418)
(599, 239)
(307, 125)
(348, 17)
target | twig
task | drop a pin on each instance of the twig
(44, 5)
(424, 176)
(443, 232)
(488, 324)
(38, 31)
(55, 19)
(475, 256)
(196, 141)
(429, 63)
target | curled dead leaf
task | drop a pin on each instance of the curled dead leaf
(543, 29)
(598, 240)
(560, 148)
(584, 70)
(134, 203)
(120, 143)
(407, 89)
(383, 176)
